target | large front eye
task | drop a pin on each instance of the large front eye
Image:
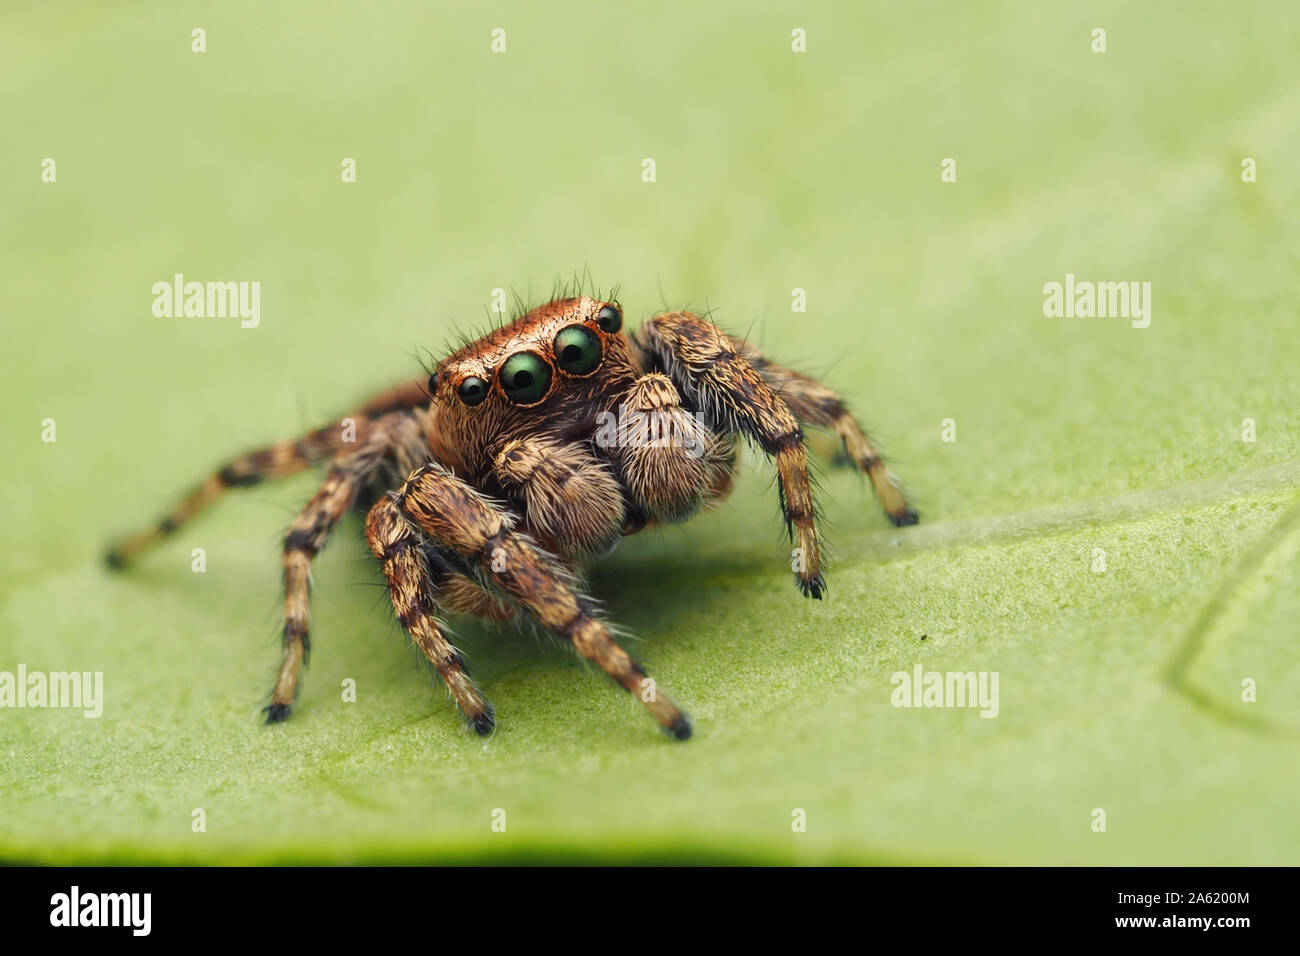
(525, 377)
(577, 350)
(472, 390)
(609, 318)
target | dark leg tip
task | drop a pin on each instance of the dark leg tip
(115, 560)
(812, 587)
(277, 713)
(907, 518)
(484, 723)
(681, 728)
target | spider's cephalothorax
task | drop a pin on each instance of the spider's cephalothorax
(527, 453)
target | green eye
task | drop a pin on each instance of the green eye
(609, 319)
(525, 377)
(472, 390)
(577, 350)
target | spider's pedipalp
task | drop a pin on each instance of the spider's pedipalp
(672, 464)
(570, 496)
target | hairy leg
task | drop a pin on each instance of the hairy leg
(348, 472)
(275, 461)
(708, 368)
(459, 519)
(457, 591)
(814, 403)
(411, 583)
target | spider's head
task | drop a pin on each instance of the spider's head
(553, 367)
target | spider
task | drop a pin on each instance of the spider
(508, 482)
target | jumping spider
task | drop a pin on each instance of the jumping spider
(505, 487)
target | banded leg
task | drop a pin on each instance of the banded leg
(411, 582)
(347, 474)
(814, 403)
(710, 371)
(276, 461)
(456, 591)
(459, 519)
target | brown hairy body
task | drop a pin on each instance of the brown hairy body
(530, 452)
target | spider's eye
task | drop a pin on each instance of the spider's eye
(525, 377)
(577, 350)
(472, 390)
(609, 318)
(433, 383)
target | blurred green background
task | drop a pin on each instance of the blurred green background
(1119, 690)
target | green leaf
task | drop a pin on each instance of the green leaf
(1120, 683)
